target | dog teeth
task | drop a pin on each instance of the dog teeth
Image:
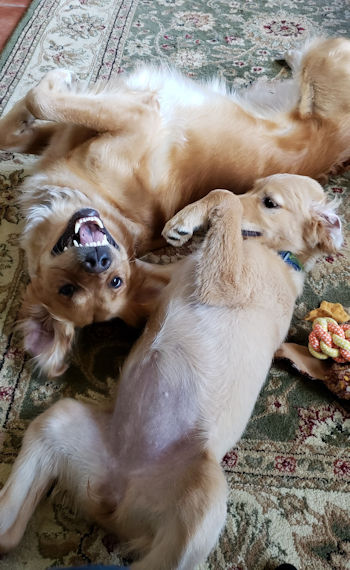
(98, 222)
(65, 248)
(93, 219)
(90, 244)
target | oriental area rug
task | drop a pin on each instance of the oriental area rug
(289, 477)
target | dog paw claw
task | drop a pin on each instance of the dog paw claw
(176, 234)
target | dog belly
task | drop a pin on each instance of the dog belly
(232, 352)
(174, 91)
(153, 410)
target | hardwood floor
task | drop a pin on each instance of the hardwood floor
(11, 11)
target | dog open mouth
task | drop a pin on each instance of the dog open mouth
(84, 229)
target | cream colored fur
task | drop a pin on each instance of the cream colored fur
(140, 149)
(149, 469)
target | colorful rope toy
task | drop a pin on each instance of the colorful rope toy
(329, 340)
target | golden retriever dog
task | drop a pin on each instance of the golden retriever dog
(121, 160)
(149, 468)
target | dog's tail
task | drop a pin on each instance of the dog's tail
(188, 517)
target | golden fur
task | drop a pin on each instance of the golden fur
(139, 150)
(149, 469)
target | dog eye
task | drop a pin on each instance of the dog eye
(116, 282)
(269, 203)
(67, 290)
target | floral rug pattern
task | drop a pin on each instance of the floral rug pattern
(289, 476)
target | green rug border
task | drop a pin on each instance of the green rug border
(17, 32)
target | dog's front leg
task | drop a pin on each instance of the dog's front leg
(147, 283)
(220, 276)
(21, 132)
(56, 98)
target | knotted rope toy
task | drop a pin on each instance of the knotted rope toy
(328, 339)
(330, 334)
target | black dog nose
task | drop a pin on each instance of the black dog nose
(95, 259)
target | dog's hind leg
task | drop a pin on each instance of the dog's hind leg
(220, 276)
(57, 444)
(189, 518)
(55, 98)
(21, 132)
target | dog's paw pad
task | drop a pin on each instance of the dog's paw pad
(176, 235)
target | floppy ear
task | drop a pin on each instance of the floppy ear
(45, 337)
(323, 232)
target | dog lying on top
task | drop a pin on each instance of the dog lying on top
(148, 469)
(119, 161)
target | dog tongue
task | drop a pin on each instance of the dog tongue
(90, 232)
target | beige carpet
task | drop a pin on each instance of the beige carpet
(290, 475)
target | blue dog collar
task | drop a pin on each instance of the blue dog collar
(287, 256)
(291, 259)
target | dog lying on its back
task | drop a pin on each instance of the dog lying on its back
(119, 161)
(149, 469)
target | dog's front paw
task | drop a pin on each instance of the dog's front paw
(179, 229)
(57, 80)
(41, 100)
